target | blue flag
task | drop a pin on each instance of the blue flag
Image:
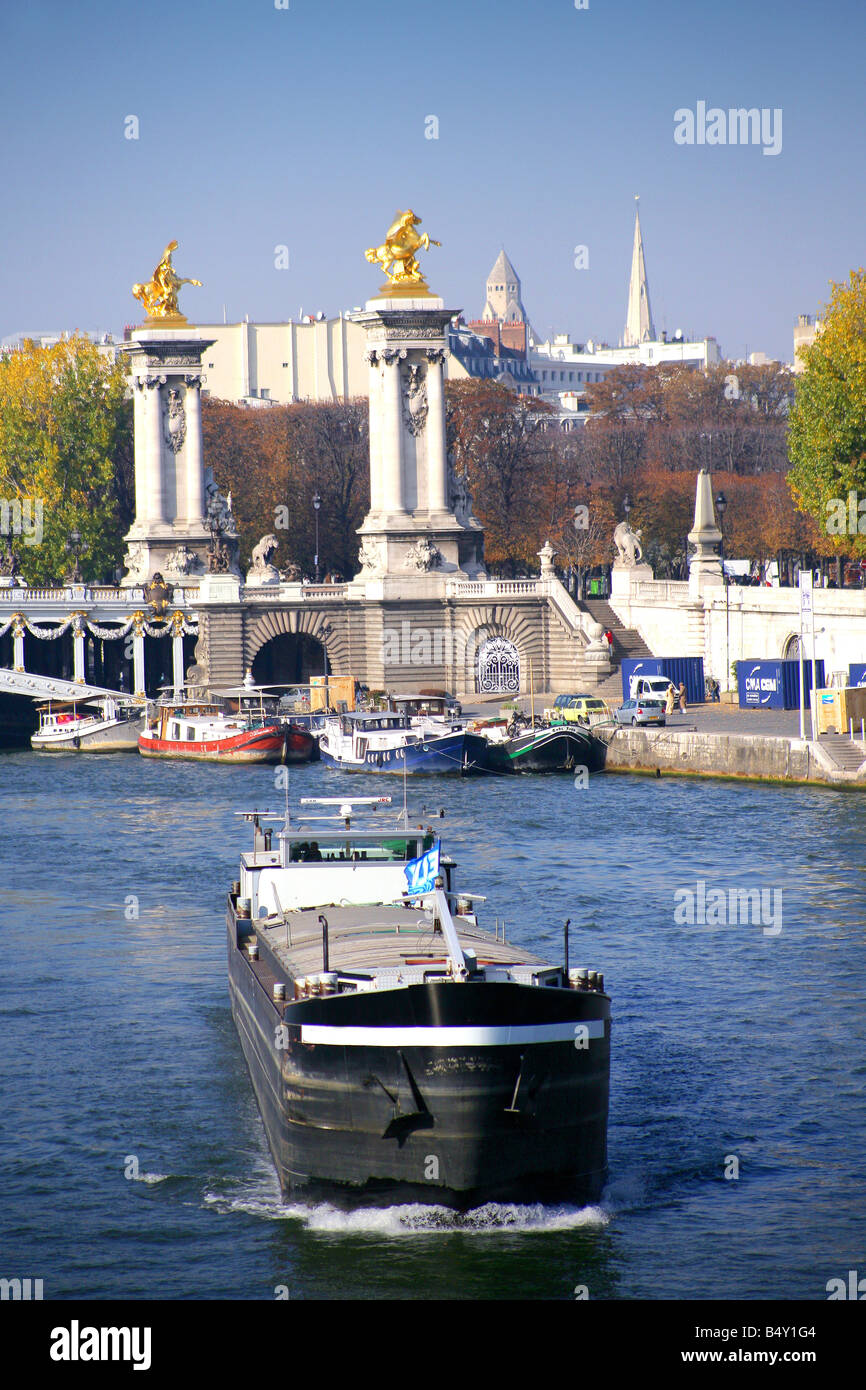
(421, 873)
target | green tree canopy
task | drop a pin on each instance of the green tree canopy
(827, 435)
(65, 458)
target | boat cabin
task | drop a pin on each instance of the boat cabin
(426, 706)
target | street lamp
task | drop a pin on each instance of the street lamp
(721, 508)
(317, 502)
(73, 548)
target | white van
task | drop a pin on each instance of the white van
(649, 687)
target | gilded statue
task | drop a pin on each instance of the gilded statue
(396, 255)
(159, 295)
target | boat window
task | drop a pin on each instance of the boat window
(190, 733)
(394, 851)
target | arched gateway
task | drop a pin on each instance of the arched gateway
(497, 669)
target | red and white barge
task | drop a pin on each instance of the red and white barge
(204, 730)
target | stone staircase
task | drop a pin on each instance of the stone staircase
(847, 754)
(569, 670)
(627, 642)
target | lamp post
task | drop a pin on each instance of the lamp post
(73, 548)
(721, 507)
(317, 502)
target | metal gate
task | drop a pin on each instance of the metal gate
(498, 667)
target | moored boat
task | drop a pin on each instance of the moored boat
(198, 728)
(397, 1050)
(386, 742)
(560, 748)
(102, 724)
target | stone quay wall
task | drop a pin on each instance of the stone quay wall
(755, 757)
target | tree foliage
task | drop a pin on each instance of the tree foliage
(274, 461)
(497, 439)
(66, 444)
(827, 439)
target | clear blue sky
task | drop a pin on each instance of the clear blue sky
(306, 127)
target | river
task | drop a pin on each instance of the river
(134, 1163)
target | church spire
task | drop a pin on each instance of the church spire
(639, 320)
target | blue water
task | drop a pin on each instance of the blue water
(132, 1157)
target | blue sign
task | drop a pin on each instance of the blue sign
(421, 874)
(857, 673)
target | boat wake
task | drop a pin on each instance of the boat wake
(494, 1218)
(414, 1218)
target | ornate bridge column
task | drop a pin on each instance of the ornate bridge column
(194, 469)
(412, 538)
(138, 653)
(169, 532)
(437, 454)
(18, 630)
(154, 494)
(78, 636)
(391, 427)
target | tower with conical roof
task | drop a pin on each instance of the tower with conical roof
(639, 320)
(503, 293)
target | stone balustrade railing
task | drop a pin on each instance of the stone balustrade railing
(292, 591)
(495, 588)
(549, 588)
(309, 591)
(105, 595)
(660, 590)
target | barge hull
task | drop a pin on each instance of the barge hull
(457, 1123)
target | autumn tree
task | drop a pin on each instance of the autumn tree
(65, 457)
(827, 439)
(671, 418)
(275, 460)
(331, 447)
(662, 509)
(498, 440)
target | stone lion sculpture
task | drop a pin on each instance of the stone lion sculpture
(261, 571)
(627, 541)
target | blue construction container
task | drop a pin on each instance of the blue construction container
(775, 684)
(857, 673)
(688, 669)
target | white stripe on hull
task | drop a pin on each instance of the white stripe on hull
(330, 1035)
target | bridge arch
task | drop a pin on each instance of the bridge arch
(290, 645)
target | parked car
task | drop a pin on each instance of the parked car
(640, 712)
(562, 703)
(579, 709)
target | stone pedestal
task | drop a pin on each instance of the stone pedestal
(420, 526)
(622, 577)
(169, 534)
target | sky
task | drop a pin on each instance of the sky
(307, 127)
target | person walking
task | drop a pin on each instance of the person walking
(682, 698)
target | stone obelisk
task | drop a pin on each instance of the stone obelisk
(420, 526)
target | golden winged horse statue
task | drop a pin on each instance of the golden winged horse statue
(398, 250)
(159, 295)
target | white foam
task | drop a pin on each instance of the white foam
(414, 1218)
